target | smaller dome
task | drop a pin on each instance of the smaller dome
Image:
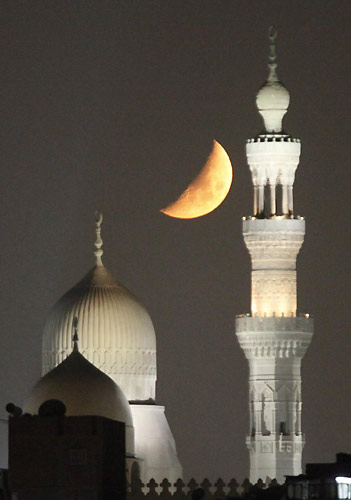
(85, 390)
(272, 101)
(273, 95)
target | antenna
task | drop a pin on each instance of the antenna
(272, 35)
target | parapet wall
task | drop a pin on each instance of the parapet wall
(204, 490)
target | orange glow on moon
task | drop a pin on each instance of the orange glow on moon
(208, 189)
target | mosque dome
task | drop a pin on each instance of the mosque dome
(273, 98)
(84, 390)
(116, 332)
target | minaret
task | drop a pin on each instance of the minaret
(273, 337)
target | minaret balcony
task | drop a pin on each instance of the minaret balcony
(274, 337)
(255, 323)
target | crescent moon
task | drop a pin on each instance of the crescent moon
(208, 190)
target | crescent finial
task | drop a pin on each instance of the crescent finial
(75, 334)
(98, 242)
(272, 33)
(98, 217)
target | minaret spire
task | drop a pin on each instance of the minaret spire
(272, 101)
(75, 338)
(98, 242)
(272, 65)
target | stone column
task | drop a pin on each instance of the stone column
(291, 200)
(273, 200)
(260, 199)
(255, 201)
(285, 205)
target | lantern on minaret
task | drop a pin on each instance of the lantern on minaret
(274, 337)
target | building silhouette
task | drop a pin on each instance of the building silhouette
(322, 480)
(66, 458)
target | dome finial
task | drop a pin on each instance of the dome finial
(272, 99)
(75, 335)
(272, 65)
(98, 242)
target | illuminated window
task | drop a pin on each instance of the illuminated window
(344, 487)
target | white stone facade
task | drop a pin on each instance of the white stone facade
(273, 337)
(154, 440)
(274, 347)
(273, 245)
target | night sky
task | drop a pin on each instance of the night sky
(113, 105)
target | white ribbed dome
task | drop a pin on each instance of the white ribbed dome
(85, 390)
(116, 333)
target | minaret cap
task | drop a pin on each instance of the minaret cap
(272, 99)
(98, 242)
